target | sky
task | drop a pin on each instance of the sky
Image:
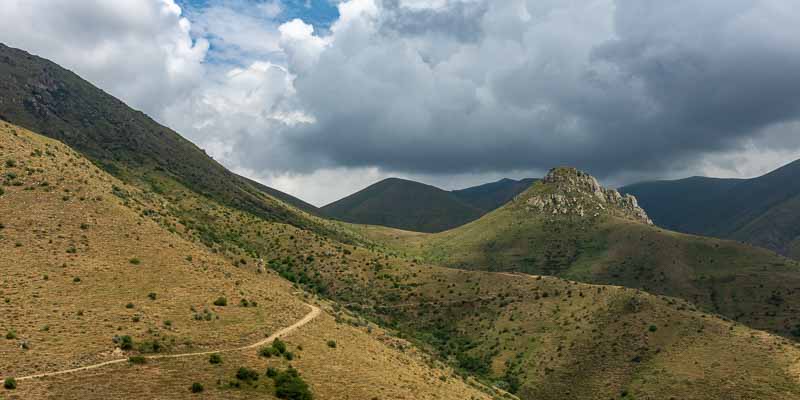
(320, 98)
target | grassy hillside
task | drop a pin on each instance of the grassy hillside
(88, 260)
(764, 211)
(549, 338)
(567, 231)
(403, 204)
(492, 195)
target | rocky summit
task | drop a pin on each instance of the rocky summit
(569, 191)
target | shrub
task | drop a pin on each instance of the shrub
(125, 342)
(221, 302)
(137, 360)
(289, 385)
(129, 305)
(150, 346)
(289, 355)
(76, 279)
(196, 388)
(246, 374)
(11, 163)
(279, 346)
(652, 328)
(11, 335)
(151, 296)
(215, 359)
(135, 261)
(10, 383)
(272, 372)
(332, 344)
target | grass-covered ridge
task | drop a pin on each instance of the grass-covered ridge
(582, 238)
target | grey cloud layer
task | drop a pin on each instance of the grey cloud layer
(492, 86)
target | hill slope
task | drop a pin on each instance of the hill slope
(568, 226)
(403, 204)
(88, 260)
(764, 211)
(414, 206)
(492, 195)
(40, 95)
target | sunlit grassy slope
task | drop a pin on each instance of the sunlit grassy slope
(87, 258)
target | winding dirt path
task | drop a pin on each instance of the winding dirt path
(314, 313)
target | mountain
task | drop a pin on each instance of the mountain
(139, 268)
(96, 270)
(764, 211)
(40, 95)
(414, 206)
(403, 204)
(492, 195)
(567, 225)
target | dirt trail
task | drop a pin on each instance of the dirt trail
(314, 313)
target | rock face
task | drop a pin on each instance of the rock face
(568, 191)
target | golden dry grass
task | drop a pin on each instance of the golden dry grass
(79, 246)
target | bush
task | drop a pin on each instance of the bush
(11, 163)
(279, 346)
(135, 261)
(196, 388)
(129, 305)
(150, 346)
(332, 344)
(272, 372)
(125, 342)
(246, 374)
(151, 296)
(137, 360)
(215, 359)
(221, 302)
(11, 335)
(10, 383)
(289, 385)
(652, 328)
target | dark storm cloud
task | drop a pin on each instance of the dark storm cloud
(607, 86)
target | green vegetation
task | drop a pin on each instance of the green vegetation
(289, 385)
(196, 388)
(221, 302)
(277, 348)
(246, 375)
(10, 383)
(137, 360)
(215, 359)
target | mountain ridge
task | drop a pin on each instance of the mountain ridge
(410, 205)
(764, 211)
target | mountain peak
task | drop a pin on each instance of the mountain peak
(569, 191)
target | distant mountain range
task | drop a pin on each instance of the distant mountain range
(414, 206)
(763, 211)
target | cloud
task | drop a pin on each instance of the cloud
(608, 86)
(140, 51)
(444, 90)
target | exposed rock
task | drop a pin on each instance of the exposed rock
(568, 191)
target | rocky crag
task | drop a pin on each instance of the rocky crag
(568, 191)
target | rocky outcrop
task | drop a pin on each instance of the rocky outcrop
(568, 191)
